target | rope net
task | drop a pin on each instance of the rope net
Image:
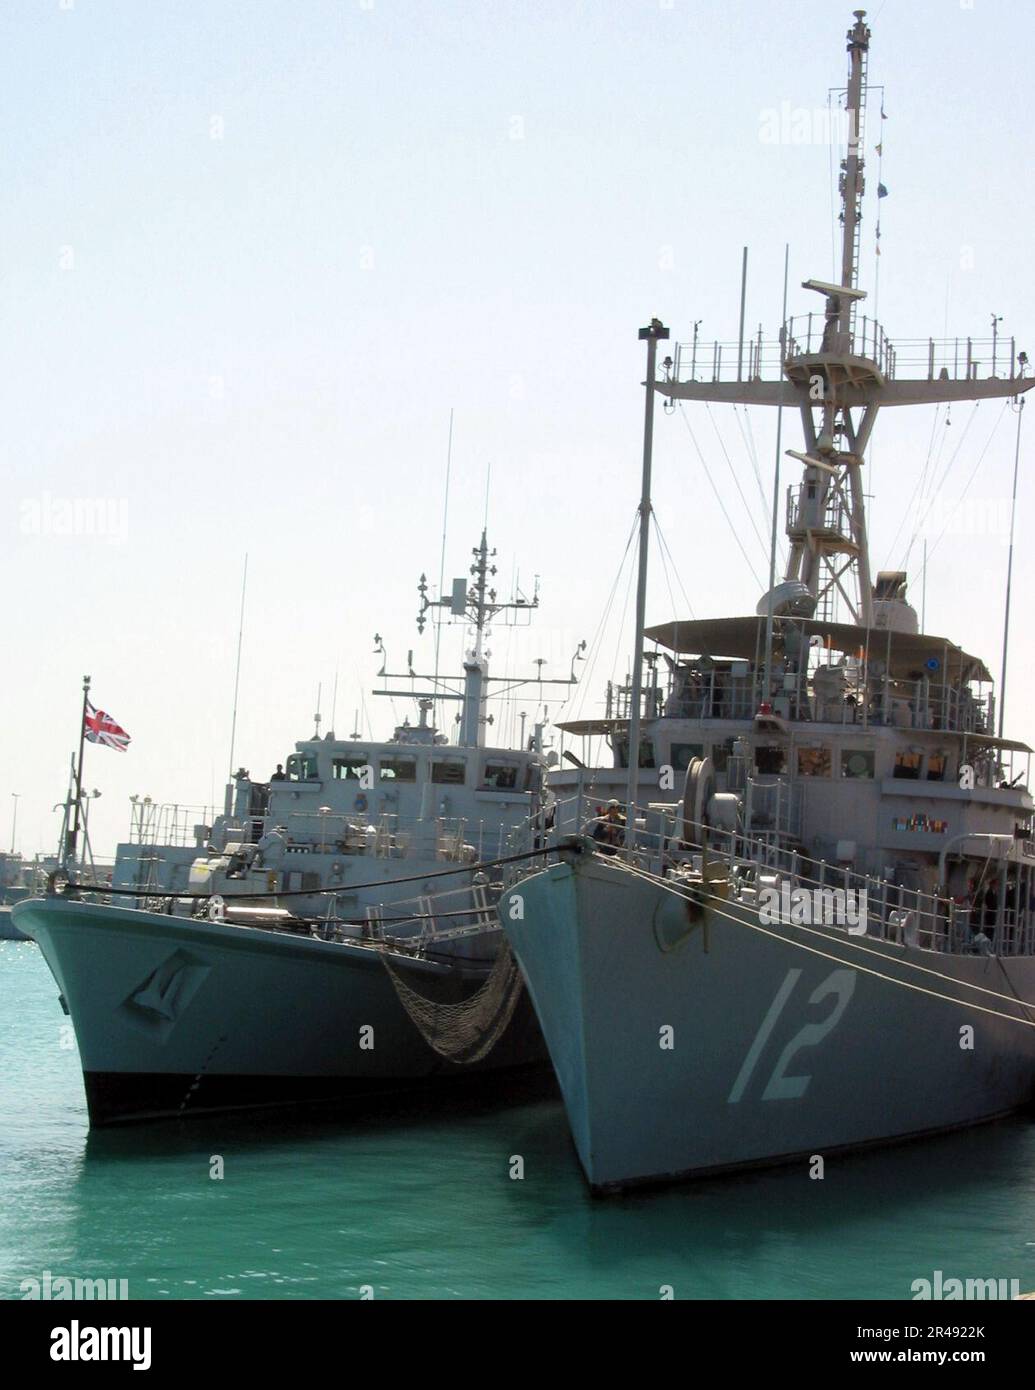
(467, 1031)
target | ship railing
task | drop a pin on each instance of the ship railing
(807, 335)
(870, 904)
(457, 839)
(167, 823)
(874, 905)
(755, 359)
(351, 832)
(806, 511)
(423, 922)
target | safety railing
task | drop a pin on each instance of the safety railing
(997, 916)
(166, 823)
(427, 921)
(806, 335)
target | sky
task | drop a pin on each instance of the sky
(253, 254)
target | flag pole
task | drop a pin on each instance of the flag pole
(72, 844)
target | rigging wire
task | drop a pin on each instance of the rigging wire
(621, 624)
(936, 488)
(733, 475)
(917, 494)
(974, 471)
(579, 694)
(675, 570)
(718, 497)
(973, 475)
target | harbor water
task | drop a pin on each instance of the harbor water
(431, 1205)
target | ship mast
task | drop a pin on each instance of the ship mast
(840, 369)
(476, 604)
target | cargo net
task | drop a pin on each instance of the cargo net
(467, 1031)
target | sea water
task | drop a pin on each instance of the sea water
(429, 1203)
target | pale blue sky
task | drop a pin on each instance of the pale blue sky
(253, 342)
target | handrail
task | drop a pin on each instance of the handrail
(939, 919)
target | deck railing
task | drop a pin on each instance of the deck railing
(891, 912)
(908, 359)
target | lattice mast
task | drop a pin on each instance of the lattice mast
(477, 605)
(839, 377)
(826, 521)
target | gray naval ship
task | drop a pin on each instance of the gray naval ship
(828, 940)
(332, 936)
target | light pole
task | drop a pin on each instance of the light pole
(14, 821)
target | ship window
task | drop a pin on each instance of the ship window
(770, 759)
(814, 762)
(451, 773)
(301, 767)
(720, 755)
(502, 777)
(907, 765)
(398, 769)
(353, 767)
(682, 753)
(936, 767)
(621, 747)
(857, 762)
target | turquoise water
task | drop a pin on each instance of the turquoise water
(422, 1206)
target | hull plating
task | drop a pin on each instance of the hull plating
(176, 1017)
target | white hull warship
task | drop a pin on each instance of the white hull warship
(829, 941)
(332, 936)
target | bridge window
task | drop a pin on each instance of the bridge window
(936, 764)
(857, 762)
(451, 772)
(907, 765)
(721, 754)
(301, 767)
(621, 747)
(398, 769)
(770, 759)
(352, 767)
(682, 753)
(814, 762)
(502, 777)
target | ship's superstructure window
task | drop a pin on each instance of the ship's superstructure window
(352, 767)
(398, 769)
(936, 764)
(301, 767)
(907, 765)
(721, 754)
(621, 747)
(857, 762)
(681, 754)
(502, 777)
(770, 759)
(449, 771)
(814, 762)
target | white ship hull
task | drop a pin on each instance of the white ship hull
(775, 1052)
(174, 1017)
